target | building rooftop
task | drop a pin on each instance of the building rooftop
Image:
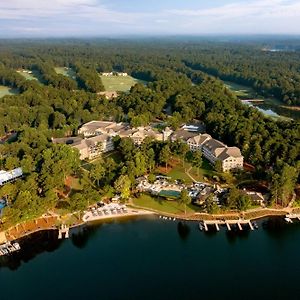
(230, 152)
(182, 134)
(10, 175)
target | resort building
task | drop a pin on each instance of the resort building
(196, 142)
(212, 149)
(230, 157)
(9, 176)
(98, 138)
(138, 135)
(89, 148)
(101, 127)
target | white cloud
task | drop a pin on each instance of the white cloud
(244, 9)
(81, 16)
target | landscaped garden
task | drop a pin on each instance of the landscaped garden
(178, 170)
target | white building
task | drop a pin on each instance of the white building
(9, 176)
(230, 157)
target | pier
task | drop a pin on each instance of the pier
(289, 218)
(238, 223)
(250, 225)
(8, 248)
(228, 226)
(292, 216)
(64, 229)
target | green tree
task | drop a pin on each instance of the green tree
(197, 160)
(211, 205)
(183, 149)
(97, 172)
(122, 186)
(218, 166)
(184, 199)
(243, 202)
(288, 181)
(164, 155)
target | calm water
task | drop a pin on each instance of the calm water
(155, 259)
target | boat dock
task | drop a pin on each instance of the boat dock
(289, 217)
(64, 229)
(228, 223)
(8, 248)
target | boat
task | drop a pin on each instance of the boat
(200, 226)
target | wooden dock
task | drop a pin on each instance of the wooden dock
(239, 226)
(64, 229)
(250, 225)
(228, 224)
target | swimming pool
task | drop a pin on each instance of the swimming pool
(169, 194)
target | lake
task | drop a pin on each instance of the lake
(270, 107)
(150, 258)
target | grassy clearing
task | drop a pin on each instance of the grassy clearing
(5, 90)
(241, 90)
(68, 72)
(119, 83)
(162, 205)
(176, 170)
(32, 76)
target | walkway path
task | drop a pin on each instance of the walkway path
(188, 174)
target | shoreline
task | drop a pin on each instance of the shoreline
(133, 211)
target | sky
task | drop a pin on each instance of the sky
(87, 18)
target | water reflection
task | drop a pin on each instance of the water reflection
(81, 235)
(183, 230)
(278, 229)
(37, 243)
(236, 234)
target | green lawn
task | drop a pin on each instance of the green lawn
(118, 83)
(33, 76)
(65, 71)
(240, 90)
(179, 172)
(160, 204)
(5, 90)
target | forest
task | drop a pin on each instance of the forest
(183, 85)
